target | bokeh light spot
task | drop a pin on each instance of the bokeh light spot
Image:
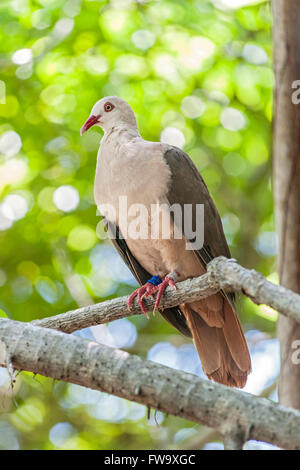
(233, 119)
(66, 198)
(192, 106)
(143, 39)
(172, 136)
(10, 143)
(82, 237)
(60, 433)
(22, 56)
(14, 207)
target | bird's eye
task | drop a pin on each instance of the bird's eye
(108, 107)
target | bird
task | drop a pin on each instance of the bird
(153, 177)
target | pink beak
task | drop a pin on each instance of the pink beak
(92, 120)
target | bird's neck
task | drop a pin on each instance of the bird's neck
(122, 131)
(114, 138)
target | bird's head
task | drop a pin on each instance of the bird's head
(110, 112)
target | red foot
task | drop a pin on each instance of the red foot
(168, 281)
(145, 290)
(149, 289)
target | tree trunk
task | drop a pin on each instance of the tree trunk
(286, 167)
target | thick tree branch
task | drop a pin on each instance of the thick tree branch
(222, 273)
(234, 414)
(76, 360)
(205, 434)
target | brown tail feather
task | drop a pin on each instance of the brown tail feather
(223, 351)
(234, 337)
(211, 310)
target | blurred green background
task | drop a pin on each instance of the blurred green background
(198, 74)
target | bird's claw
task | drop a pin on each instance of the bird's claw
(168, 281)
(139, 293)
(149, 289)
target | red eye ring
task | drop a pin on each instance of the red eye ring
(108, 107)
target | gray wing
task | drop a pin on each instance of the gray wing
(172, 315)
(222, 348)
(188, 187)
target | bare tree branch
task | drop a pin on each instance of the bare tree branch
(222, 273)
(236, 415)
(205, 435)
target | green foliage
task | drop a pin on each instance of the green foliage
(195, 66)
